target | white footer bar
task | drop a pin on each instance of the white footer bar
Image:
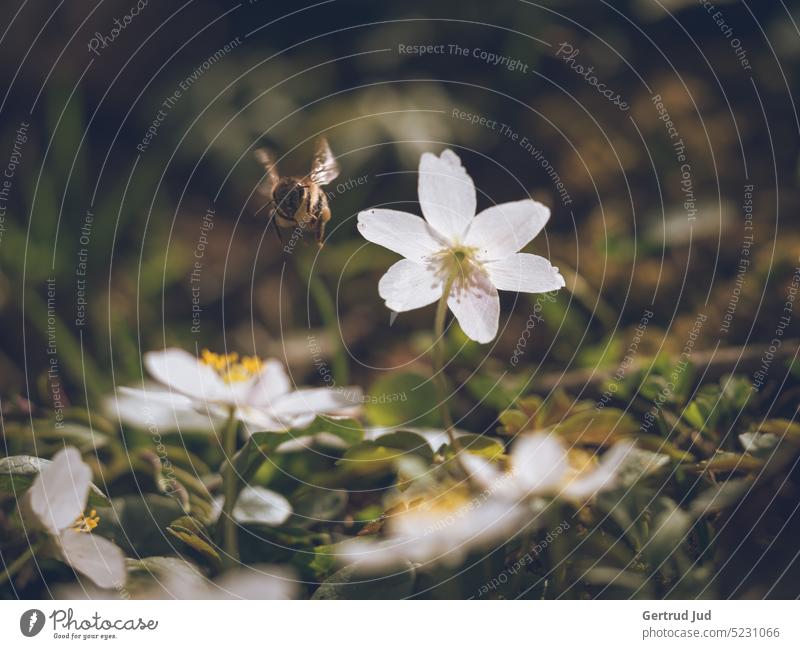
(229, 624)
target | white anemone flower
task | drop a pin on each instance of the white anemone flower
(453, 250)
(171, 578)
(258, 392)
(56, 503)
(442, 529)
(541, 466)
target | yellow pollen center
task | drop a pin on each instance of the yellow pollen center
(458, 265)
(230, 367)
(86, 523)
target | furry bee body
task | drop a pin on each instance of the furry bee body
(300, 202)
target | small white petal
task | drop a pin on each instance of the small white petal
(446, 194)
(436, 437)
(477, 309)
(540, 463)
(484, 472)
(502, 230)
(525, 273)
(255, 582)
(372, 554)
(408, 285)
(94, 556)
(260, 505)
(183, 372)
(400, 232)
(264, 420)
(317, 401)
(161, 410)
(59, 493)
(271, 383)
(603, 477)
(295, 444)
(155, 394)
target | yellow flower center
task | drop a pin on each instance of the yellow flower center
(451, 502)
(458, 265)
(580, 464)
(86, 523)
(230, 367)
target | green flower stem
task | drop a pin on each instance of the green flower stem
(438, 363)
(18, 564)
(230, 541)
(327, 311)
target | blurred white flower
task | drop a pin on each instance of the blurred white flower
(256, 505)
(56, 503)
(542, 466)
(441, 529)
(259, 392)
(170, 578)
(453, 249)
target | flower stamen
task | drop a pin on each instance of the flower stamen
(86, 523)
(458, 265)
(230, 367)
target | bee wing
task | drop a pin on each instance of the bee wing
(271, 179)
(324, 167)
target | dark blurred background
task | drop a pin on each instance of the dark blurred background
(280, 74)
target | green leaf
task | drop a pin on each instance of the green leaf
(720, 496)
(385, 453)
(639, 464)
(482, 445)
(491, 391)
(595, 427)
(313, 505)
(402, 399)
(319, 563)
(669, 529)
(408, 441)
(192, 533)
(608, 576)
(263, 444)
(138, 523)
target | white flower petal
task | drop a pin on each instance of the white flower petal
(408, 285)
(540, 462)
(400, 232)
(484, 472)
(525, 273)
(477, 309)
(59, 493)
(317, 401)
(603, 477)
(183, 372)
(502, 230)
(271, 383)
(158, 409)
(375, 554)
(94, 556)
(446, 194)
(264, 420)
(255, 582)
(295, 444)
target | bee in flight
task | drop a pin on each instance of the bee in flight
(300, 202)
